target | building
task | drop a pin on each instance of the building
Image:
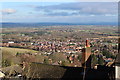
(86, 55)
(11, 42)
(117, 63)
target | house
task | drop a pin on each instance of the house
(86, 55)
(11, 42)
(45, 71)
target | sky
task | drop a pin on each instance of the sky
(59, 12)
(59, 0)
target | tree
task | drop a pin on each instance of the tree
(46, 61)
(79, 56)
(100, 61)
(94, 60)
(108, 54)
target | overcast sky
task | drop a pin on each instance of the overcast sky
(60, 12)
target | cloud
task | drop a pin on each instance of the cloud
(58, 14)
(80, 8)
(8, 11)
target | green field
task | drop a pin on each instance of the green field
(9, 55)
(13, 51)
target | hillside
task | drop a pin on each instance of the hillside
(9, 55)
(13, 51)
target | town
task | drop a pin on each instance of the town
(59, 40)
(68, 41)
(58, 45)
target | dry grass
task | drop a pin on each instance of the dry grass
(13, 51)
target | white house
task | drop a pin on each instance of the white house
(11, 42)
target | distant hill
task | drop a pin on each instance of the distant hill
(12, 25)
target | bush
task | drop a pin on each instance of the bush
(100, 61)
(6, 63)
(94, 59)
(108, 54)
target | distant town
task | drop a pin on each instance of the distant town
(59, 39)
(59, 45)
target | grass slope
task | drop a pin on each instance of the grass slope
(9, 55)
(13, 51)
